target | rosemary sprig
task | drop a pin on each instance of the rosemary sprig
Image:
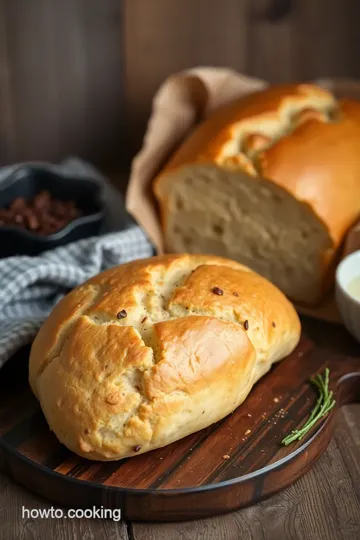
(324, 404)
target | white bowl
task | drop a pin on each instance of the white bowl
(348, 305)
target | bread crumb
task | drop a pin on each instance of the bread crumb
(226, 456)
(249, 415)
(84, 446)
(276, 400)
(247, 431)
(112, 398)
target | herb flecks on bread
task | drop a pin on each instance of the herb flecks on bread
(183, 354)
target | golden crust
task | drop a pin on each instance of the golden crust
(296, 136)
(251, 116)
(182, 358)
(319, 163)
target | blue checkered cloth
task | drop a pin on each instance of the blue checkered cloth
(31, 286)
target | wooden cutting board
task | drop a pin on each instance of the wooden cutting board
(233, 463)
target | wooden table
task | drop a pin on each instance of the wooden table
(322, 505)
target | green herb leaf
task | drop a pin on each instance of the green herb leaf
(324, 404)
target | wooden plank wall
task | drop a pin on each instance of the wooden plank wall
(61, 79)
(77, 76)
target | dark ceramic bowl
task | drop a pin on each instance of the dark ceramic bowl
(26, 182)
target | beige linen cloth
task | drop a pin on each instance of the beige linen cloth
(182, 101)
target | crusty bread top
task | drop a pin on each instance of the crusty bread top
(121, 346)
(155, 290)
(298, 136)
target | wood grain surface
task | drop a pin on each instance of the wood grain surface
(167, 36)
(233, 463)
(78, 76)
(322, 505)
(61, 80)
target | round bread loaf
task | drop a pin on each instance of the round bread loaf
(272, 181)
(153, 350)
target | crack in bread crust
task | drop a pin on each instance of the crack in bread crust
(117, 382)
(248, 143)
(57, 350)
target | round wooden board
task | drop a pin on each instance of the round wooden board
(233, 463)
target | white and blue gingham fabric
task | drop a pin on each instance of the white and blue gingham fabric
(31, 286)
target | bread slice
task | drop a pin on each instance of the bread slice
(251, 220)
(271, 181)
